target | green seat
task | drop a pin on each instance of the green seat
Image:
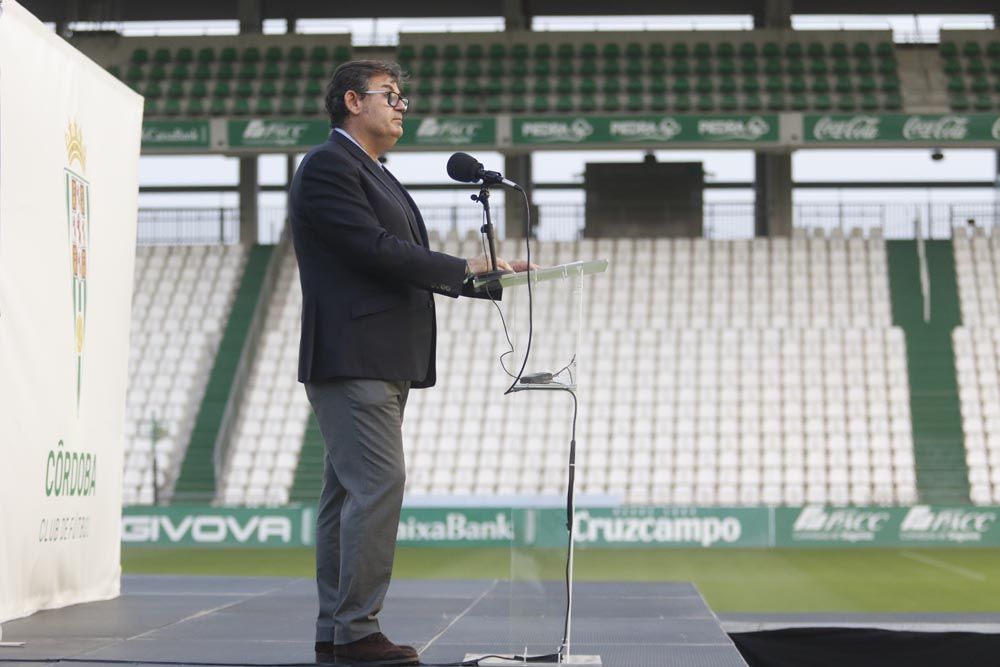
(496, 68)
(198, 89)
(893, 101)
(658, 102)
(565, 50)
(841, 67)
(474, 52)
(611, 86)
(151, 107)
(657, 85)
(680, 68)
(185, 55)
(864, 66)
(244, 89)
(820, 85)
(314, 88)
(541, 87)
(993, 49)
(310, 106)
(497, 51)
(799, 102)
(844, 85)
(564, 87)
(611, 68)
(290, 89)
(980, 84)
(406, 52)
(161, 56)
(195, 107)
(268, 89)
(846, 103)
(342, 53)
(588, 67)
(796, 85)
(956, 84)
(251, 54)
(221, 89)
(452, 52)
(706, 102)
(203, 72)
(519, 68)
(565, 68)
(611, 50)
(288, 106)
(975, 66)
(795, 67)
(866, 84)
(793, 50)
(983, 102)
(473, 68)
(540, 104)
(518, 104)
(494, 104)
(564, 105)
(519, 51)
(471, 104)
(817, 67)
(297, 54)
(518, 87)
(635, 86)
(265, 107)
(861, 50)
(318, 70)
(319, 54)
(679, 50)
(157, 73)
(425, 87)
(995, 67)
(748, 50)
(816, 50)
(774, 84)
(682, 86)
(887, 67)
(175, 90)
(154, 90)
(869, 102)
(219, 107)
(725, 50)
(248, 72)
(776, 102)
(634, 67)
(634, 103)
(134, 73)
(971, 50)
(657, 50)
(543, 51)
(494, 86)
(588, 103)
(885, 50)
(657, 68)
(750, 85)
(704, 85)
(771, 50)
(725, 67)
(821, 102)
(228, 55)
(890, 84)
(611, 103)
(588, 86)
(959, 102)
(293, 71)
(448, 87)
(682, 103)
(702, 67)
(542, 68)
(139, 57)
(422, 106)
(727, 85)
(272, 71)
(241, 107)
(702, 50)
(839, 50)
(446, 105)
(427, 52)
(748, 67)
(634, 50)
(772, 67)
(728, 103)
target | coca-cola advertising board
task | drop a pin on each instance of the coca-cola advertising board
(936, 129)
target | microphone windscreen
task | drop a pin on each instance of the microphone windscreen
(464, 168)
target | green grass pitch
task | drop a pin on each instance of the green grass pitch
(732, 580)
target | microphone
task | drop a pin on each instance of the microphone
(464, 168)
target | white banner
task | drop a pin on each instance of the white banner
(69, 159)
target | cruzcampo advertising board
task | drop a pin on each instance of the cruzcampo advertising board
(645, 130)
(174, 134)
(901, 128)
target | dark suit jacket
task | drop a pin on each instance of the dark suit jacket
(366, 271)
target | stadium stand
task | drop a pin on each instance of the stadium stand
(971, 63)
(182, 299)
(758, 371)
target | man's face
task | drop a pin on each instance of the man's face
(382, 123)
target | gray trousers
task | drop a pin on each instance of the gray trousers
(361, 421)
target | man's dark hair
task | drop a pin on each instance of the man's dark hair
(355, 76)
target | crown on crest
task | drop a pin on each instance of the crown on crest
(75, 149)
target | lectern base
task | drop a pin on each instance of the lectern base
(568, 661)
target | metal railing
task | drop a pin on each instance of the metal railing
(722, 220)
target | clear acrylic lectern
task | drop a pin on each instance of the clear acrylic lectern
(543, 322)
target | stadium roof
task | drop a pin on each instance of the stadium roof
(63, 11)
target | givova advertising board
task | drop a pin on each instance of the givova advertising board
(69, 152)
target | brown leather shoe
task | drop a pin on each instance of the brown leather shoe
(370, 651)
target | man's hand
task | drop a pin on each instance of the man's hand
(481, 264)
(520, 265)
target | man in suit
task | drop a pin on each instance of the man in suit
(368, 336)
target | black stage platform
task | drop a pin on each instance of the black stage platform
(256, 621)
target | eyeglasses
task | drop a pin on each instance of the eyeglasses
(391, 97)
